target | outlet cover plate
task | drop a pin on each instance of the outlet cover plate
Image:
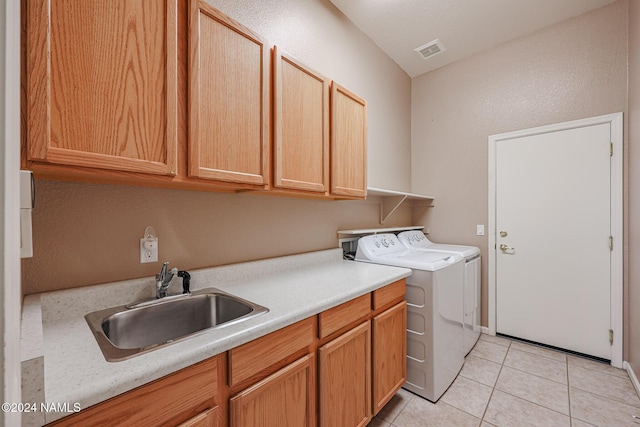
(148, 250)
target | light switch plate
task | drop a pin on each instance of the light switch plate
(480, 229)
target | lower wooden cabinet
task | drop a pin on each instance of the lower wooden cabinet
(286, 398)
(389, 354)
(344, 371)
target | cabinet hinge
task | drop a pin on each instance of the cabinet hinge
(610, 243)
(611, 149)
(610, 336)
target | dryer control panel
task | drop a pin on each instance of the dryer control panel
(414, 239)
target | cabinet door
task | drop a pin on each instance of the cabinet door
(102, 84)
(286, 398)
(344, 372)
(348, 143)
(389, 354)
(301, 146)
(229, 114)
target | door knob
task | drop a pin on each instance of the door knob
(506, 248)
(503, 233)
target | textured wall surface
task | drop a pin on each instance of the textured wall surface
(90, 233)
(633, 202)
(572, 70)
(86, 234)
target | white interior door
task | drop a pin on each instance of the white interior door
(552, 230)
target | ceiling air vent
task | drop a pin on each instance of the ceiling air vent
(432, 48)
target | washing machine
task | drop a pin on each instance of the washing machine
(472, 279)
(435, 341)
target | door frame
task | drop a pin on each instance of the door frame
(615, 120)
(10, 293)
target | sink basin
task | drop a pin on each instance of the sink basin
(126, 331)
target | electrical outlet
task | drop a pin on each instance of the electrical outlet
(148, 249)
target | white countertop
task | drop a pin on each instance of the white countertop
(292, 288)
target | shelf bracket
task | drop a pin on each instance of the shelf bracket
(389, 205)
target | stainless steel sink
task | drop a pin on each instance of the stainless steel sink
(126, 331)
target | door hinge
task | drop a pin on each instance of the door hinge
(610, 243)
(610, 336)
(611, 149)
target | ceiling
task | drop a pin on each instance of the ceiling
(464, 27)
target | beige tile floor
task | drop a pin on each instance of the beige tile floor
(509, 383)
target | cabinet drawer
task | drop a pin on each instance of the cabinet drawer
(388, 294)
(344, 314)
(167, 401)
(255, 356)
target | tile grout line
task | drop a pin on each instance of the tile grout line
(600, 396)
(411, 397)
(460, 409)
(399, 412)
(493, 389)
(522, 398)
(536, 375)
(566, 358)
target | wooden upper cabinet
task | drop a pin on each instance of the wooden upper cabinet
(229, 100)
(348, 143)
(102, 84)
(301, 117)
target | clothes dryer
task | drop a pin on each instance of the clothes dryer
(416, 239)
(435, 352)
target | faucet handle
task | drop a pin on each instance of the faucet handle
(163, 272)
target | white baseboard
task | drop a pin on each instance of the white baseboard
(484, 329)
(632, 376)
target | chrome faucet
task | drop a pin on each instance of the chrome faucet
(163, 279)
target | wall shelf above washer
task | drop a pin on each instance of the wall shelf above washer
(391, 200)
(365, 231)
